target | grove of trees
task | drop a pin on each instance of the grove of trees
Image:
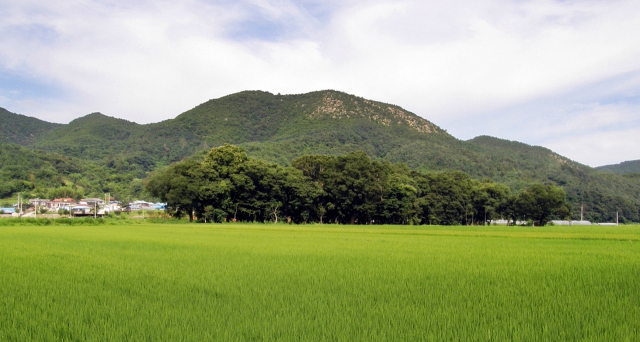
(227, 185)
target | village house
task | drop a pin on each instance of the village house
(81, 210)
(62, 203)
(8, 210)
(113, 206)
(141, 205)
(40, 203)
(91, 202)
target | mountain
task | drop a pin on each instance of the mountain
(632, 166)
(278, 128)
(21, 129)
(273, 127)
(602, 194)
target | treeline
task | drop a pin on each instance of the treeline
(227, 185)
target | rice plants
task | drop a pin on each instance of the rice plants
(154, 282)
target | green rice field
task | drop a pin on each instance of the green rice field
(235, 282)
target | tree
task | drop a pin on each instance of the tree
(180, 187)
(229, 184)
(539, 202)
(488, 200)
(444, 197)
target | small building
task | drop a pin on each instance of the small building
(571, 223)
(62, 203)
(112, 207)
(64, 207)
(81, 210)
(40, 203)
(506, 222)
(92, 202)
(141, 205)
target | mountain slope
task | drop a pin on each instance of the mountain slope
(279, 128)
(275, 127)
(601, 194)
(21, 129)
(88, 137)
(47, 174)
(632, 166)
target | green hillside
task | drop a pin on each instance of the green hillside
(279, 128)
(602, 194)
(632, 166)
(47, 175)
(21, 129)
(274, 127)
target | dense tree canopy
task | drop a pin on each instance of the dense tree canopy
(349, 189)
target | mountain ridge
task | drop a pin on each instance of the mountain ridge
(625, 167)
(21, 129)
(279, 128)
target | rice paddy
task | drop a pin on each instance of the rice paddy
(235, 282)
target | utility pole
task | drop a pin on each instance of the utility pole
(581, 212)
(37, 201)
(616, 218)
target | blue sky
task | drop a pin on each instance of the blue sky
(560, 74)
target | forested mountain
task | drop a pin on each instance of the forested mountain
(21, 129)
(280, 128)
(602, 194)
(631, 166)
(273, 127)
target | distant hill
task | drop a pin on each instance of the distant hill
(273, 127)
(40, 172)
(279, 128)
(632, 166)
(602, 194)
(21, 129)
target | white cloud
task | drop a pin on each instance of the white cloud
(600, 148)
(456, 63)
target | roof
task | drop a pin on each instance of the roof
(66, 199)
(571, 223)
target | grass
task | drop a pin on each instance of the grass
(155, 282)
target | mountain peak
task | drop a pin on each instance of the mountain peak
(338, 105)
(99, 118)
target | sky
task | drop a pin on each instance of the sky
(560, 74)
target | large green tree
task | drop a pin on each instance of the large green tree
(489, 199)
(540, 202)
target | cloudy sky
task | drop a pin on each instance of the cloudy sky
(560, 74)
